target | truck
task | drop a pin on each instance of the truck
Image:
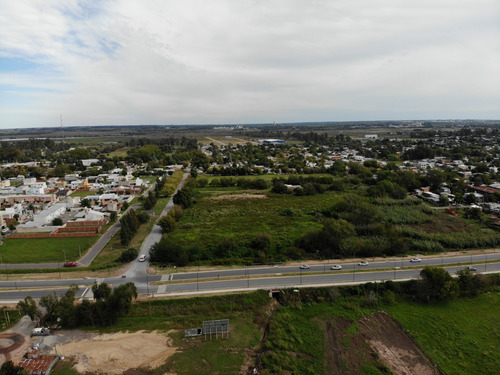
(40, 332)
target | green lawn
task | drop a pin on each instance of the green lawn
(41, 250)
(83, 194)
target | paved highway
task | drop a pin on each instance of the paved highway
(15, 290)
(389, 263)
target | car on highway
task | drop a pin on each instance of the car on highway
(142, 258)
(336, 267)
(415, 260)
(471, 268)
(363, 263)
(304, 267)
(70, 264)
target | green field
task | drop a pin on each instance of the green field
(225, 220)
(41, 250)
(460, 336)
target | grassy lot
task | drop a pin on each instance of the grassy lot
(83, 194)
(119, 152)
(212, 219)
(296, 341)
(224, 215)
(41, 250)
(462, 336)
(199, 356)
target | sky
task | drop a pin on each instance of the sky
(131, 62)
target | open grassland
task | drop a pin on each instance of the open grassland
(41, 250)
(121, 152)
(462, 336)
(212, 219)
(233, 215)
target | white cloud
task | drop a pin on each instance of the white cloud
(198, 61)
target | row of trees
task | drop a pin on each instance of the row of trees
(109, 305)
(130, 223)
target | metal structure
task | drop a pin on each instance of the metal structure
(192, 332)
(211, 327)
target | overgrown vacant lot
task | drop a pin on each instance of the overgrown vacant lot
(225, 220)
(342, 336)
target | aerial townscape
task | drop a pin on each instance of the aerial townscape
(249, 187)
(228, 248)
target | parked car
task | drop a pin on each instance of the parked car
(415, 260)
(40, 332)
(304, 267)
(70, 264)
(363, 263)
(142, 258)
(336, 267)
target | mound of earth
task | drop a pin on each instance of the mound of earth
(377, 340)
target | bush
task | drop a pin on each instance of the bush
(128, 255)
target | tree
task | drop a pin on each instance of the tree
(184, 198)
(8, 368)
(444, 200)
(101, 291)
(128, 255)
(262, 241)
(167, 223)
(436, 284)
(28, 307)
(470, 283)
(57, 221)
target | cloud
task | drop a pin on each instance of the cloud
(165, 61)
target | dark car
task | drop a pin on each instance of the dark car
(70, 264)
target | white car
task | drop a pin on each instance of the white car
(304, 267)
(415, 260)
(142, 258)
(336, 267)
(363, 263)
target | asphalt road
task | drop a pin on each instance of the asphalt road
(390, 263)
(11, 290)
(138, 269)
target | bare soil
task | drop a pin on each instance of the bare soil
(117, 352)
(379, 341)
(395, 347)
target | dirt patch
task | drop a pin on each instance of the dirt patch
(395, 347)
(346, 352)
(9, 343)
(118, 352)
(240, 196)
(374, 341)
